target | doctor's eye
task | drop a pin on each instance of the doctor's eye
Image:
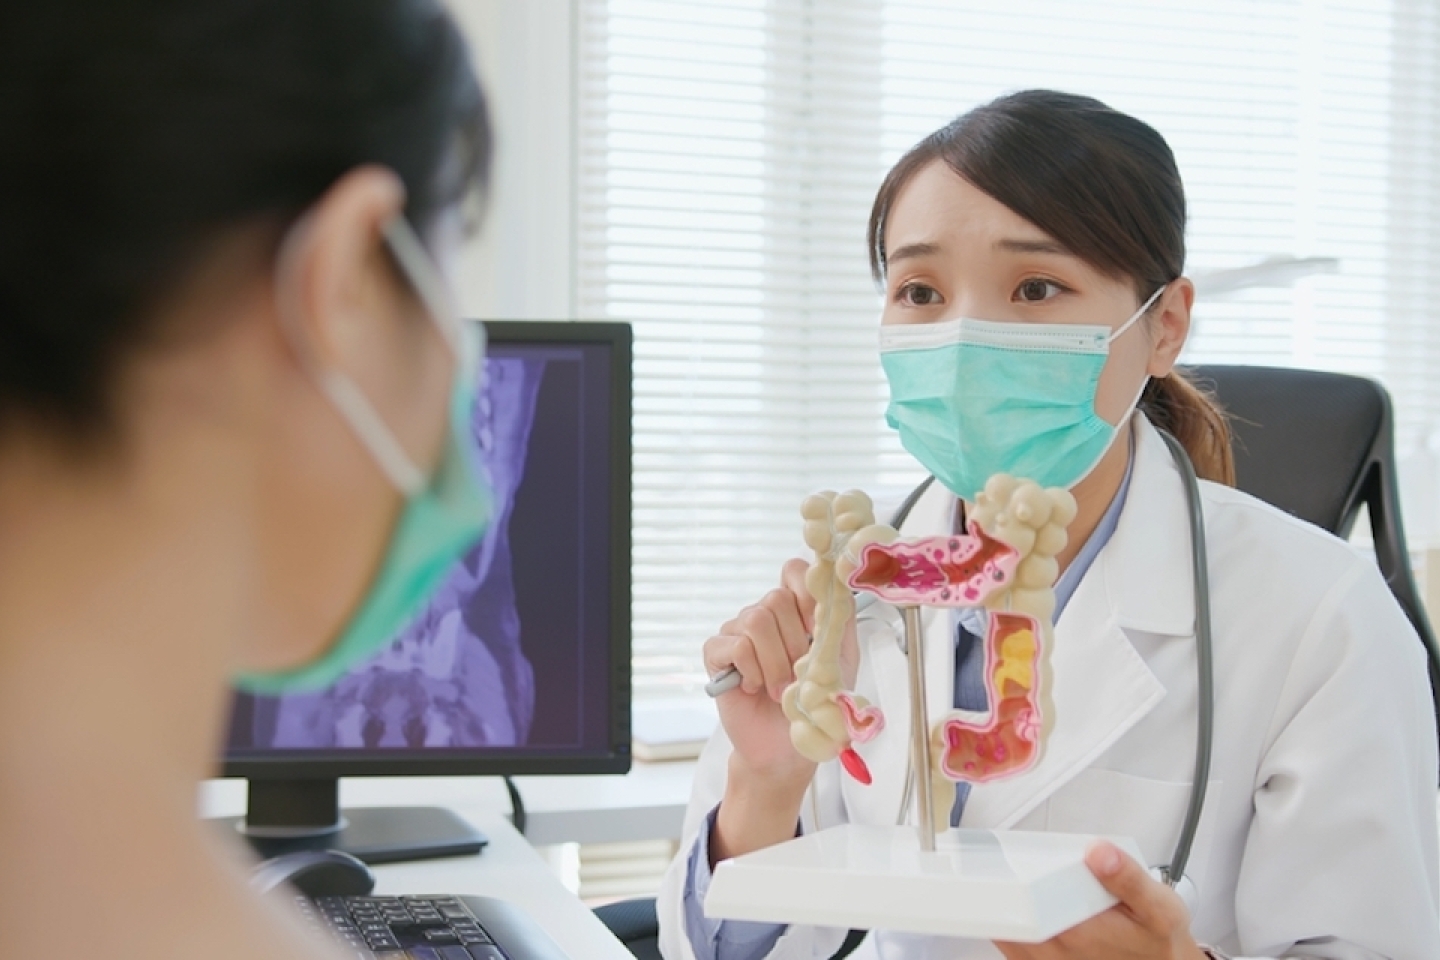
(1036, 290)
(915, 294)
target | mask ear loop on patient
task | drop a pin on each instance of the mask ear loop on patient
(347, 397)
(417, 265)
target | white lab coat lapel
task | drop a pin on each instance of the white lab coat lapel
(1100, 686)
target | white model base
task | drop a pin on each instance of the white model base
(995, 885)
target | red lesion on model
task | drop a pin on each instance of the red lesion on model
(854, 765)
(1007, 741)
(930, 564)
(980, 753)
(991, 551)
(878, 568)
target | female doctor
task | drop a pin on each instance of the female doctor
(1042, 211)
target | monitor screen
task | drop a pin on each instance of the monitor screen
(519, 663)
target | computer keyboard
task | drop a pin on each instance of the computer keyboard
(430, 928)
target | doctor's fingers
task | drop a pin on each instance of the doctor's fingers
(1153, 905)
(1149, 923)
(774, 628)
(1109, 936)
(785, 607)
(735, 649)
(1029, 951)
(1115, 935)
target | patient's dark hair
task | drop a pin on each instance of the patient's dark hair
(1104, 185)
(136, 135)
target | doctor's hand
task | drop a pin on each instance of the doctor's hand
(1149, 923)
(767, 776)
(763, 642)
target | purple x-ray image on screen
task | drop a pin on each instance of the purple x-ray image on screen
(456, 677)
(513, 655)
(505, 631)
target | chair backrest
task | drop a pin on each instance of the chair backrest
(1320, 446)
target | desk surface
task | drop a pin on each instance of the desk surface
(510, 870)
(648, 803)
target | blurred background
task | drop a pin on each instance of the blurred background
(705, 169)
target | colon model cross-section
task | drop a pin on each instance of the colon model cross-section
(1004, 564)
(937, 571)
(1008, 741)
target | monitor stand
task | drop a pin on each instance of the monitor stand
(284, 816)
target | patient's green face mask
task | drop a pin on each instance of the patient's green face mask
(444, 514)
(973, 398)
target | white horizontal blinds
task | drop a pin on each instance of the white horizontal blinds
(728, 152)
(1236, 88)
(1301, 128)
(1412, 308)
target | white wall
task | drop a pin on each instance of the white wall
(521, 266)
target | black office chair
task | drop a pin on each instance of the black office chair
(1319, 446)
(634, 924)
(1316, 445)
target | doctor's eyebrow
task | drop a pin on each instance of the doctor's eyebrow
(912, 250)
(1013, 245)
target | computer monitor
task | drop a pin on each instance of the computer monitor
(520, 663)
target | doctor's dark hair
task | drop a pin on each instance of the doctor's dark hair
(1103, 184)
(136, 138)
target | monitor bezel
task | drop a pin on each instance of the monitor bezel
(618, 336)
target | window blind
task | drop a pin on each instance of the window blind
(728, 153)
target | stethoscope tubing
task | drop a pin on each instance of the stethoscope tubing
(1204, 662)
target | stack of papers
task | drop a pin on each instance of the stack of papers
(672, 729)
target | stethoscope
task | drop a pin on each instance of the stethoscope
(1174, 872)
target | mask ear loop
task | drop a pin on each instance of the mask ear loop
(466, 340)
(419, 269)
(351, 403)
(1135, 317)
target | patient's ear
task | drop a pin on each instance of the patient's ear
(334, 282)
(326, 508)
(1171, 327)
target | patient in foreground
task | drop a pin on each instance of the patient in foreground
(227, 378)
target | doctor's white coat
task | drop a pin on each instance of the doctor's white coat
(1319, 832)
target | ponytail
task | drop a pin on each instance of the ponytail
(1176, 405)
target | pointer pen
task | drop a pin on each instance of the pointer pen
(729, 678)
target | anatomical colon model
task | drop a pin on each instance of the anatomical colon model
(1005, 564)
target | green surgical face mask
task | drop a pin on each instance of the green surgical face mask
(444, 514)
(973, 398)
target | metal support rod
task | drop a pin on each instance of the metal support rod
(919, 727)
